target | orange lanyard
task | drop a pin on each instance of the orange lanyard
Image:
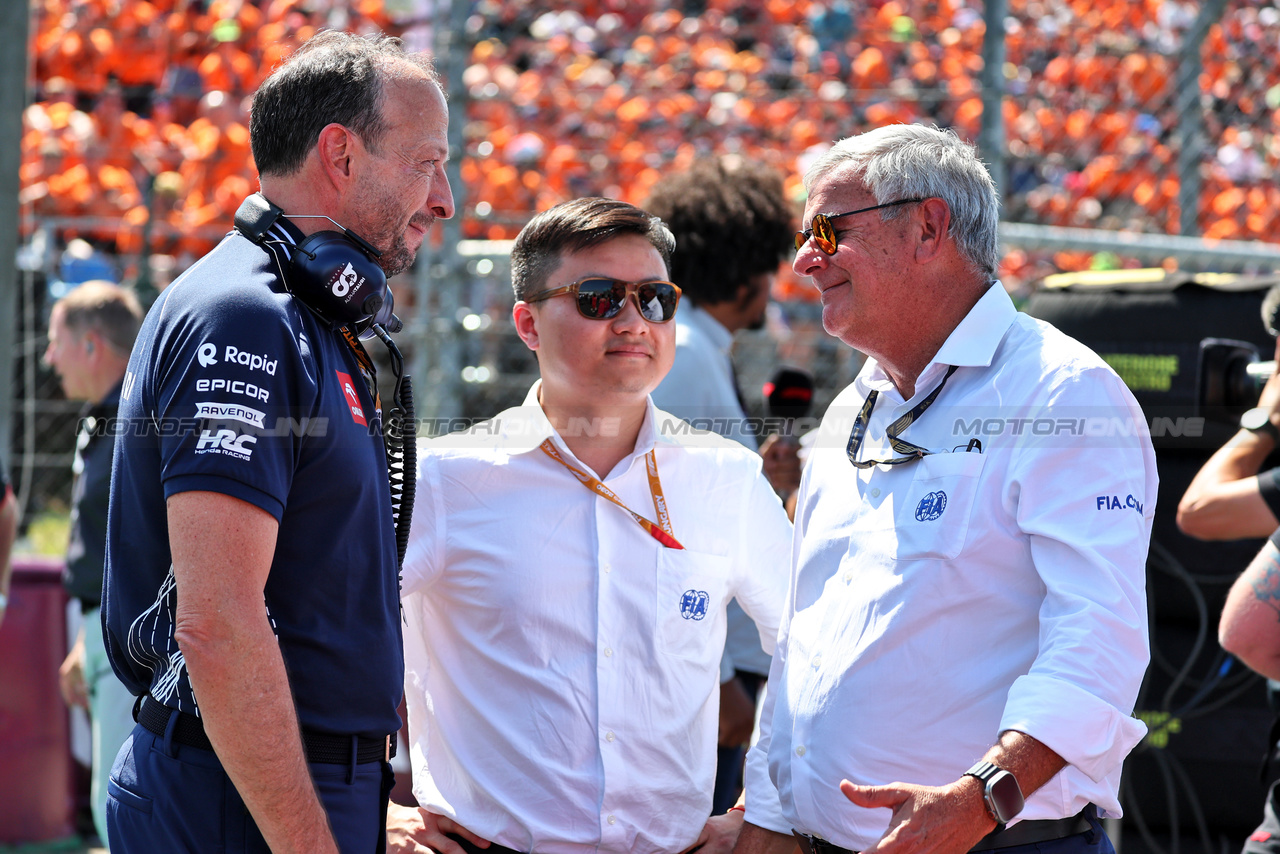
(661, 532)
(367, 369)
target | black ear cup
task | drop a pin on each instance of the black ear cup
(334, 276)
(333, 272)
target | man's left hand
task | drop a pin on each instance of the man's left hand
(939, 819)
(718, 834)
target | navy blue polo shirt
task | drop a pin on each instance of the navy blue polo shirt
(235, 387)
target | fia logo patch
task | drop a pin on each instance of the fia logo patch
(353, 398)
(931, 506)
(693, 604)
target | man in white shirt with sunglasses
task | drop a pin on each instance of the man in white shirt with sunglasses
(568, 572)
(966, 625)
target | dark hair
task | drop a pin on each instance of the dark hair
(573, 226)
(334, 77)
(106, 308)
(731, 221)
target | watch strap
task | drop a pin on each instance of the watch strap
(983, 770)
(1266, 427)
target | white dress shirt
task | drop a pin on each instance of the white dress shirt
(937, 603)
(560, 698)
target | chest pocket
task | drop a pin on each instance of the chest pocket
(691, 597)
(932, 520)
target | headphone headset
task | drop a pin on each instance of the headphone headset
(334, 273)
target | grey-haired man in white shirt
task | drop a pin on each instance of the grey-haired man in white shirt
(568, 573)
(966, 624)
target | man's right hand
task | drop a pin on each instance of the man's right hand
(413, 830)
(75, 689)
(781, 463)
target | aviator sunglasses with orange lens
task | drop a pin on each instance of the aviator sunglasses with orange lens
(825, 236)
(600, 298)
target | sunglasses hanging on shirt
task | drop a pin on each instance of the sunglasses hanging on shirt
(899, 445)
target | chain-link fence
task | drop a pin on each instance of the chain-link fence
(1152, 116)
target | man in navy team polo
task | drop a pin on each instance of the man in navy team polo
(251, 593)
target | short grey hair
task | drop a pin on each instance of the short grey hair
(918, 161)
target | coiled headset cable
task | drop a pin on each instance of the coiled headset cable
(400, 435)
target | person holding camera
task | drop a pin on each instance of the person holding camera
(1231, 498)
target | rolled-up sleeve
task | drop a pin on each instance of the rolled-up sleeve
(1087, 506)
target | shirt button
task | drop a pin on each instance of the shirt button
(607, 568)
(800, 750)
(817, 662)
(612, 820)
(609, 736)
(848, 576)
(608, 652)
(875, 493)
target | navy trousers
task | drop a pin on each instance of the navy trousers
(164, 796)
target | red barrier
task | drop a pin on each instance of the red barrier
(36, 790)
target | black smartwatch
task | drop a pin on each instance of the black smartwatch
(1001, 792)
(1258, 420)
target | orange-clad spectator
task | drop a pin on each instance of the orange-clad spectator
(115, 130)
(247, 15)
(228, 68)
(217, 146)
(78, 49)
(138, 60)
(182, 86)
(112, 192)
(168, 226)
(619, 91)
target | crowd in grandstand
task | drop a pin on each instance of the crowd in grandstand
(137, 128)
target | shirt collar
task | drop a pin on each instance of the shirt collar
(973, 343)
(721, 337)
(523, 428)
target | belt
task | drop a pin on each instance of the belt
(470, 848)
(1037, 830)
(321, 747)
(810, 844)
(1022, 833)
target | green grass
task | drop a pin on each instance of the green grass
(48, 534)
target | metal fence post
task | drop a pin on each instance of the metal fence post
(991, 142)
(441, 274)
(13, 99)
(1187, 103)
